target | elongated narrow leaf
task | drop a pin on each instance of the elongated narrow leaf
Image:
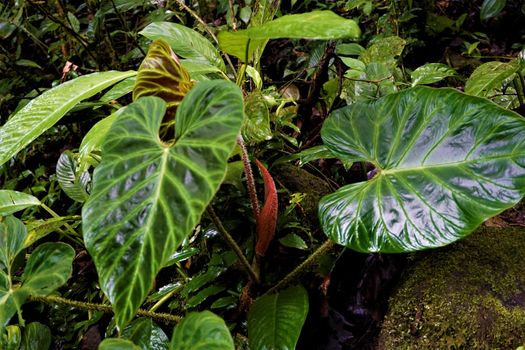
(491, 8)
(146, 334)
(12, 236)
(275, 321)
(186, 43)
(147, 195)
(13, 201)
(201, 331)
(161, 74)
(73, 182)
(445, 162)
(44, 111)
(316, 25)
(490, 76)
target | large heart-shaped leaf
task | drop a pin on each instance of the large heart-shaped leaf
(445, 162)
(275, 321)
(13, 201)
(148, 195)
(202, 331)
(44, 111)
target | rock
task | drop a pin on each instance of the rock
(470, 295)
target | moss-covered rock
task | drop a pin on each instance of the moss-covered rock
(470, 295)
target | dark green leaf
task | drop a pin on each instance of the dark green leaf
(36, 336)
(445, 162)
(293, 241)
(146, 334)
(12, 236)
(491, 8)
(201, 331)
(13, 201)
(117, 344)
(204, 294)
(275, 321)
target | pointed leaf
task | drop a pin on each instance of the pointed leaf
(201, 331)
(12, 236)
(267, 219)
(13, 201)
(431, 73)
(186, 43)
(491, 8)
(146, 334)
(490, 76)
(148, 195)
(445, 162)
(275, 321)
(73, 182)
(44, 111)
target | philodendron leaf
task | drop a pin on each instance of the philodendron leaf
(275, 321)
(201, 331)
(148, 195)
(146, 334)
(161, 74)
(316, 25)
(44, 111)
(13, 201)
(445, 162)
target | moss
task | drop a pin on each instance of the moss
(470, 295)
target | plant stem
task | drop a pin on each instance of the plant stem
(51, 299)
(233, 245)
(250, 181)
(325, 247)
(165, 298)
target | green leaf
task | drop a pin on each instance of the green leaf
(275, 321)
(316, 25)
(489, 76)
(431, 73)
(120, 89)
(12, 236)
(204, 294)
(44, 111)
(37, 229)
(73, 182)
(384, 50)
(13, 201)
(186, 43)
(256, 126)
(445, 162)
(92, 141)
(11, 299)
(351, 49)
(12, 339)
(147, 195)
(117, 344)
(293, 241)
(202, 331)
(36, 336)
(146, 334)
(491, 8)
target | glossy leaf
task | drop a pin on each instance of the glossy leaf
(316, 25)
(44, 111)
(489, 76)
(431, 73)
(36, 336)
(445, 162)
(201, 331)
(256, 126)
(117, 344)
(12, 236)
(120, 89)
(293, 241)
(275, 321)
(148, 195)
(161, 74)
(73, 182)
(13, 201)
(186, 43)
(491, 8)
(12, 339)
(146, 334)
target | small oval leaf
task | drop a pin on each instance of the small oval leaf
(201, 331)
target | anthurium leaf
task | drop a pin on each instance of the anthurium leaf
(36, 336)
(431, 73)
(44, 111)
(13, 201)
(147, 195)
(445, 162)
(316, 25)
(201, 331)
(117, 344)
(12, 236)
(491, 8)
(275, 321)
(146, 334)
(48, 268)
(161, 74)
(73, 182)
(490, 76)
(186, 43)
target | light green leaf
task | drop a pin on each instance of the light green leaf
(120, 89)
(489, 76)
(197, 69)
(36, 336)
(186, 43)
(275, 321)
(146, 334)
(256, 126)
(431, 73)
(202, 331)
(353, 63)
(12, 339)
(13, 201)
(44, 111)
(117, 344)
(11, 299)
(351, 49)
(491, 8)
(310, 154)
(73, 181)
(37, 229)
(293, 241)
(92, 141)
(147, 195)
(384, 50)
(445, 162)
(12, 236)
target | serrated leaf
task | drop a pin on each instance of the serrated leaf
(431, 73)
(201, 331)
(491, 8)
(44, 111)
(489, 76)
(73, 182)
(445, 162)
(12, 236)
(275, 321)
(36, 336)
(148, 195)
(316, 25)
(146, 334)
(186, 43)
(117, 344)
(13, 201)
(161, 74)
